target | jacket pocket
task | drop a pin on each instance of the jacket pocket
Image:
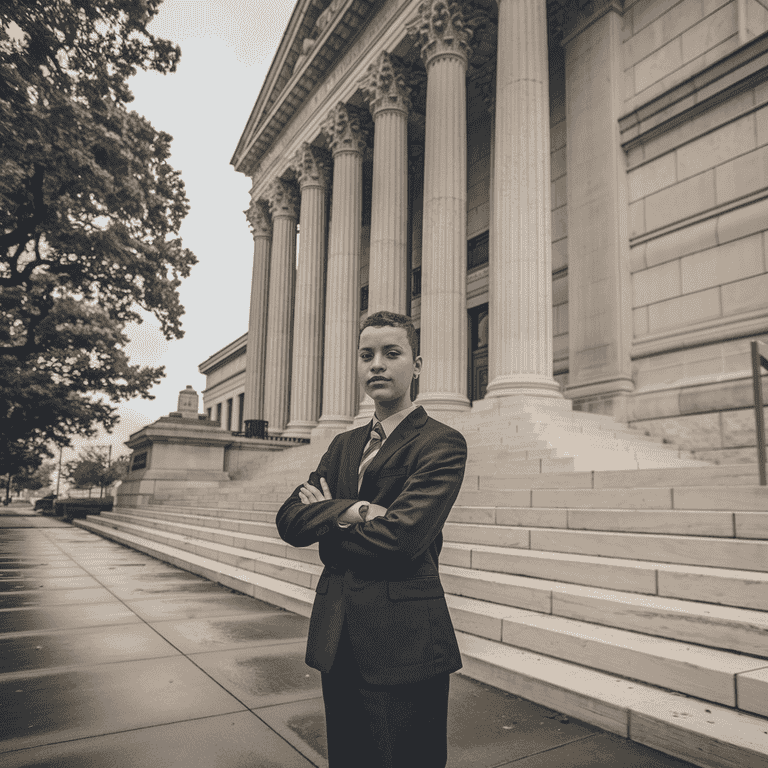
(322, 585)
(424, 588)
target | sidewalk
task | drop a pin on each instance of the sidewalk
(111, 658)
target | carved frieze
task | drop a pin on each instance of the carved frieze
(259, 221)
(385, 85)
(283, 199)
(311, 165)
(344, 130)
(323, 22)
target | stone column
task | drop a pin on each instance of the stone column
(306, 365)
(599, 297)
(520, 275)
(387, 94)
(261, 227)
(347, 142)
(444, 41)
(283, 203)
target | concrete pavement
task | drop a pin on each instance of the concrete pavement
(111, 658)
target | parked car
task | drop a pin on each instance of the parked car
(72, 508)
(45, 504)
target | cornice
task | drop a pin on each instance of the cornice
(295, 74)
(233, 350)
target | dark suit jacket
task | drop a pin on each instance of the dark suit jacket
(381, 577)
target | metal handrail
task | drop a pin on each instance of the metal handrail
(759, 359)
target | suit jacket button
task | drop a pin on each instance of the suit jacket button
(322, 530)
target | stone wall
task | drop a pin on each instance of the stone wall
(667, 41)
(698, 208)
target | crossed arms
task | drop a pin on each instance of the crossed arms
(398, 530)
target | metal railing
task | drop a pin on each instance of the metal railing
(257, 429)
(759, 360)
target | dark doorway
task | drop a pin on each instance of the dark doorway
(478, 352)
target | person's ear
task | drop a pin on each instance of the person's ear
(417, 367)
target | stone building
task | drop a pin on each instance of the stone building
(571, 200)
(569, 197)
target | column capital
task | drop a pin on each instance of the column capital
(311, 166)
(283, 199)
(343, 129)
(440, 28)
(385, 86)
(259, 221)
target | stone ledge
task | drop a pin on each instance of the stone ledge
(741, 69)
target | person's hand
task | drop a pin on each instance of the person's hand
(374, 510)
(309, 494)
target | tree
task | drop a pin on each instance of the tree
(34, 480)
(92, 469)
(90, 211)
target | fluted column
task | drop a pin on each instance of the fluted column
(520, 291)
(387, 93)
(261, 227)
(347, 142)
(444, 40)
(306, 365)
(283, 203)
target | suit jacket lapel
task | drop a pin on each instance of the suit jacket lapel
(350, 463)
(405, 431)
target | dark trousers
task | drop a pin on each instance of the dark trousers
(383, 726)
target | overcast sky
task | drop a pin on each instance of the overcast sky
(227, 47)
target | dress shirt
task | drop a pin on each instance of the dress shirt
(389, 425)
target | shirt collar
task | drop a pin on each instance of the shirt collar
(392, 422)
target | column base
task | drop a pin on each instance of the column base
(328, 427)
(609, 396)
(444, 406)
(522, 403)
(301, 429)
(524, 386)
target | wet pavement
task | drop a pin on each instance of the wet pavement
(111, 658)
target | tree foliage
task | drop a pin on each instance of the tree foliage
(92, 469)
(90, 211)
(34, 479)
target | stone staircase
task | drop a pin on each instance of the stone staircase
(636, 600)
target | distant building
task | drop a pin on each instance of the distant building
(569, 197)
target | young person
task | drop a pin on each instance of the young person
(380, 631)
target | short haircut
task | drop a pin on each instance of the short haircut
(381, 319)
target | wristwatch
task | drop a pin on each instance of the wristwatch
(363, 511)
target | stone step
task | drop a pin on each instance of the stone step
(734, 587)
(731, 587)
(715, 626)
(698, 731)
(693, 729)
(465, 519)
(292, 597)
(697, 498)
(276, 566)
(732, 474)
(741, 629)
(206, 522)
(711, 675)
(737, 630)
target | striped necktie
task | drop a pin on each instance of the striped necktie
(374, 444)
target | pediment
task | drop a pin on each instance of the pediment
(318, 33)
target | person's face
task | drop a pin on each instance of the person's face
(385, 366)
